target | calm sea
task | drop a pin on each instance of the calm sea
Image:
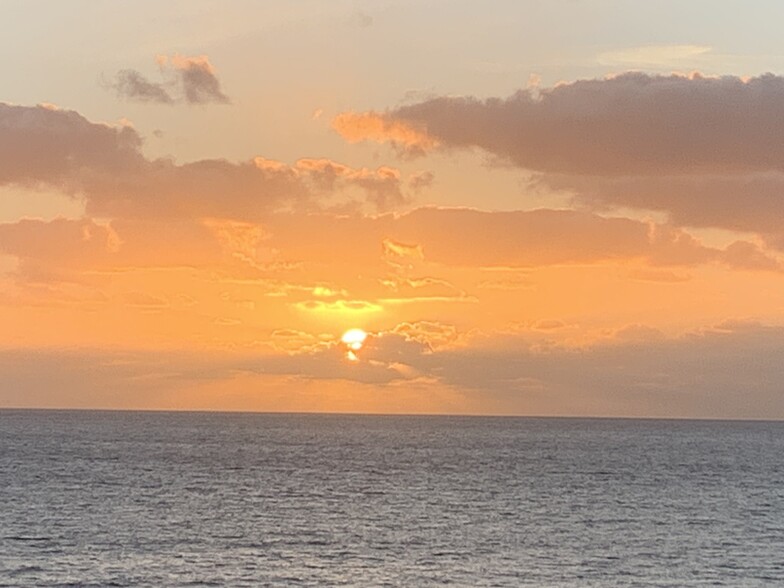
(192, 499)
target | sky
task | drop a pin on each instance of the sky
(560, 207)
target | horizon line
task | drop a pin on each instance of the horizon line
(388, 414)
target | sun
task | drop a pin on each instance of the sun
(353, 339)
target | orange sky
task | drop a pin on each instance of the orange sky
(184, 232)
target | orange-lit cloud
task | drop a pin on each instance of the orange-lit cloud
(371, 126)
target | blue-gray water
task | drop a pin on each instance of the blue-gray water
(120, 499)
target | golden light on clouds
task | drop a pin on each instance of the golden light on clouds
(508, 248)
(370, 126)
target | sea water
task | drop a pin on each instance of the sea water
(199, 499)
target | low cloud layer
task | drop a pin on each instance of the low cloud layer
(732, 370)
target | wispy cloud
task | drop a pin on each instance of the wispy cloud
(655, 56)
(191, 80)
(197, 76)
(132, 85)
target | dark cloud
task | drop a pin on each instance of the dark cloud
(46, 145)
(707, 151)
(132, 85)
(192, 80)
(200, 84)
(634, 123)
(104, 164)
(751, 202)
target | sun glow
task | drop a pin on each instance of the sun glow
(353, 339)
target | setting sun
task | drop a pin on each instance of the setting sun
(353, 339)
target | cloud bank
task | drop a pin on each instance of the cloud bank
(707, 151)
(628, 124)
(732, 370)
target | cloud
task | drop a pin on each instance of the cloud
(144, 301)
(526, 238)
(292, 340)
(52, 146)
(432, 334)
(192, 80)
(87, 378)
(371, 126)
(132, 85)
(636, 371)
(353, 264)
(549, 325)
(59, 241)
(508, 284)
(393, 249)
(338, 306)
(746, 255)
(707, 151)
(747, 202)
(499, 239)
(633, 123)
(199, 81)
(382, 185)
(421, 180)
(105, 165)
(422, 289)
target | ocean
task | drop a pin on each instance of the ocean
(92, 498)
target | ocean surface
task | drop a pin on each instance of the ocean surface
(199, 499)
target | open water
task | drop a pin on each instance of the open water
(199, 499)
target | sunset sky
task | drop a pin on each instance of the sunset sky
(542, 207)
